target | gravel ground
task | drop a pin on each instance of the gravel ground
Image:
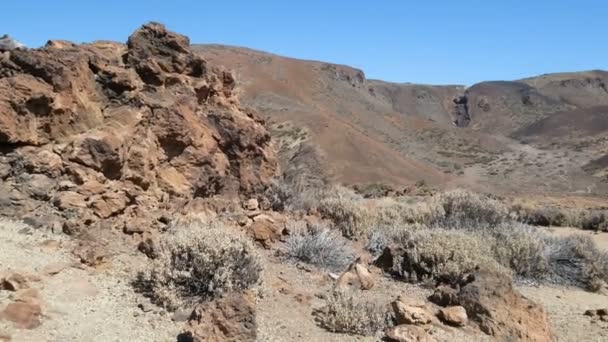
(78, 304)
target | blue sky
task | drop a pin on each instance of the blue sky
(438, 42)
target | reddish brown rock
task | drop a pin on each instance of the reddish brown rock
(410, 314)
(69, 200)
(267, 228)
(108, 204)
(230, 318)
(105, 124)
(453, 315)
(23, 315)
(501, 312)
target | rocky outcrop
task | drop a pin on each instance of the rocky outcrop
(490, 300)
(106, 131)
(7, 43)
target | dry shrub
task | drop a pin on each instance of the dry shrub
(521, 248)
(316, 244)
(443, 255)
(466, 208)
(576, 260)
(284, 196)
(545, 215)
(347, 211)
(595, 220)
(399, 211)
(353, 313)
(199, 261)
(385, 234)
(357, 217)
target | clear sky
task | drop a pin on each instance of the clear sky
(438, 42)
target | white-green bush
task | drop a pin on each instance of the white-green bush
(465, 208)
(353, 313)
(199, 261)
(318, 245)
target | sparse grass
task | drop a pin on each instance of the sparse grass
(353, 313)
(199, 261)
(316, 244)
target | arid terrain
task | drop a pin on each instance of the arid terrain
(156, 190)
(545, 134)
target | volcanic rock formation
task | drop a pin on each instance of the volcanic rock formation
(107, 132)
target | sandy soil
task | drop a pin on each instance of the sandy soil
(565, 307)
(292, 293)
(77, 304)
(98, 304)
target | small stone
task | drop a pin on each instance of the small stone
(408, 333)
(23, 315)
(5, 337)
(251, 204)
(454, 315)
(66, 185)
(182, 314)
(604, 318)
(14, 282)
(590, 312)
(245, 221)
(357, 276)
(54, 268)
(408, 314)
(146, 306)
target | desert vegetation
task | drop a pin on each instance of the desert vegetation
(199, 260)
(449, 235)
(318, 245)
(353, 313)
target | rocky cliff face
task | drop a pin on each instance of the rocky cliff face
(107, 130)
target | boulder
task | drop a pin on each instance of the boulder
(453, 315)
(500, 311)
(409, 314)
(229, 318)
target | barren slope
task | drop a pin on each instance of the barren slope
(373, 131)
